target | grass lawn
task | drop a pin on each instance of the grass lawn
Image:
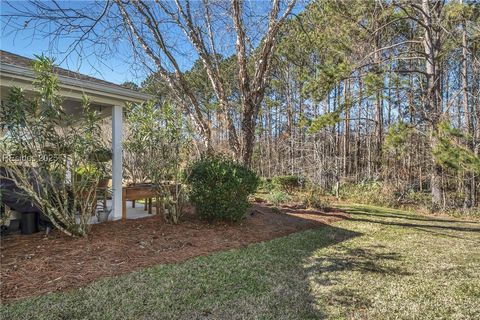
(381, 264)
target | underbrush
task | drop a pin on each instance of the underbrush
(288, 190)
(374, 193)
(316, 198)
(281, 189)
(278, 197)
(301, 194)
(464, 213)
(383, 194)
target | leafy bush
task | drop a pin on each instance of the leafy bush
(101, 155)
(287, 183)
(155, 149)
(265, 184)
(278, 197)
(315, 198)
(219, 188)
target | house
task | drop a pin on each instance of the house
(107, 97)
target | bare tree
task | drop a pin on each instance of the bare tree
(162, 31)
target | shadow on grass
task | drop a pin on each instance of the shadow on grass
(393, 219)
(449, 235)
(330, 276)
(301, 248)
(359, 259)
(348, 279)
(266, 280)
(329, 272)
(405, 216)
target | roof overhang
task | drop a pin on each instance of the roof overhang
(71, 88)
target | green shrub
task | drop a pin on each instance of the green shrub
(287, 183)
(55, 149)
(265, 185)
(101, 155)
(278, 197)
(219, 188)
(86, 175)
(315, 198)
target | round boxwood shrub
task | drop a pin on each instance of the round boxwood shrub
(219, 188)
(288, 183)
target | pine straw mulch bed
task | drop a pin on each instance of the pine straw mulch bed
(36, 264)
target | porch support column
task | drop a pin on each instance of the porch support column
(117, 161)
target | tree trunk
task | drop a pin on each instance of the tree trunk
(469, 182)
(378, 103)
(346, 130)
(433, 96)
(248, 130)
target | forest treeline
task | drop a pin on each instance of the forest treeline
(380, 96)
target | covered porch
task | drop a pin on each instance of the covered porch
(107, 98)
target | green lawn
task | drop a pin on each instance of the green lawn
(381, 264)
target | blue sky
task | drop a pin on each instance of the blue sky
(113, 70)
(115, 65)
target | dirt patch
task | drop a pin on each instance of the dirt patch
(34, 265)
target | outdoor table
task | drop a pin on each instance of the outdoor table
(138, 192)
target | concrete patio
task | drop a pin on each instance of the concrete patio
(132, 213)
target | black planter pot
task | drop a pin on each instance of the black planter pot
(14, 225)
(29, 223)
